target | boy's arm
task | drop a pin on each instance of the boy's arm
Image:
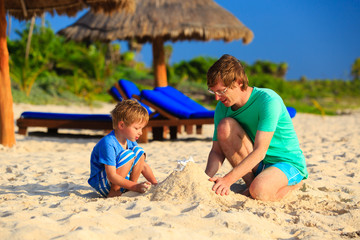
(115, 178)
(148, 174)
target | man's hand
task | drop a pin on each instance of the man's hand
(221, 186)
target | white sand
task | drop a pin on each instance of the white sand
(44, 192)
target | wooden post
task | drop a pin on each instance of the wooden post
(159, 62)
(7, 132)
(144, 136)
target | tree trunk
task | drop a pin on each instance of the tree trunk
(159, 62)
(9, 27)
(7, 133)
(43, 22)
(28, 43)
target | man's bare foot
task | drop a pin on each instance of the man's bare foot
(246, 192)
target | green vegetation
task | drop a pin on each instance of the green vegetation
(65, 72)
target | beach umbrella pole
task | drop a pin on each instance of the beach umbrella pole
(7, 133)
(159, 62)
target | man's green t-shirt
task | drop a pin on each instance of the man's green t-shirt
(266, 111)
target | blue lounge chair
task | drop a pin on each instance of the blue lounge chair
(170, 99)
(178, 108)
(198, 110)
(114, 92)
(292, 111)
(125, 89)
(55, 121)
(175, 108)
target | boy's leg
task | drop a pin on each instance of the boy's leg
(235, 144)
(122, 171)
(124, 164)
(130, 162)
(137, 169)
(139, 162)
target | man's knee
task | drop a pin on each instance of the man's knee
(225, 127)
(258, 191)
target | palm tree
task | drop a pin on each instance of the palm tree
(355, 69)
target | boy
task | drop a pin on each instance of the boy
(116, 160)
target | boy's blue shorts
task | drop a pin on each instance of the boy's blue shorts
(292, 173)
(103, 184)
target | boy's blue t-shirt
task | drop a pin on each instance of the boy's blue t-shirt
(266, 111)
(104, 153)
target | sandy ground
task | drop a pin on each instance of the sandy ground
(44, 192)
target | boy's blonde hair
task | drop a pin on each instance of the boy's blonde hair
(129, 111)
(227, 69)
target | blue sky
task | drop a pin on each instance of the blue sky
(319, 39)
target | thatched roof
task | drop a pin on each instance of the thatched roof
(169, 19)
(25, 9)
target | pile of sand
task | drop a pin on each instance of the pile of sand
(190, 184)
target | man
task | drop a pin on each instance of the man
(254, 132)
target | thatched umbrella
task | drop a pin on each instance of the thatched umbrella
(26, 9)
(157, 21)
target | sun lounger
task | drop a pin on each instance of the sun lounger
(114, 92)
(186, 112)
(55, 121)
(118, 94)
(177, 102)
(292, 111)
(125, 89)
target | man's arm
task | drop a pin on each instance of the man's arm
(261, 145)
(215, 159)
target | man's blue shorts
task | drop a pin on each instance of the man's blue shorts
(292, 173)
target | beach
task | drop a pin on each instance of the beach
(44, 192)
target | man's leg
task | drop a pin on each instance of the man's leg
(271, 185)
(235, 144)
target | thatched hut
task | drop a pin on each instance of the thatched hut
(158, 21)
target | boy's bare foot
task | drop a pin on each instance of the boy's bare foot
(114, 193)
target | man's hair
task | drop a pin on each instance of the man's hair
(227, 70)
(129, 111)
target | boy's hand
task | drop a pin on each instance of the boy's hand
(143, 187)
